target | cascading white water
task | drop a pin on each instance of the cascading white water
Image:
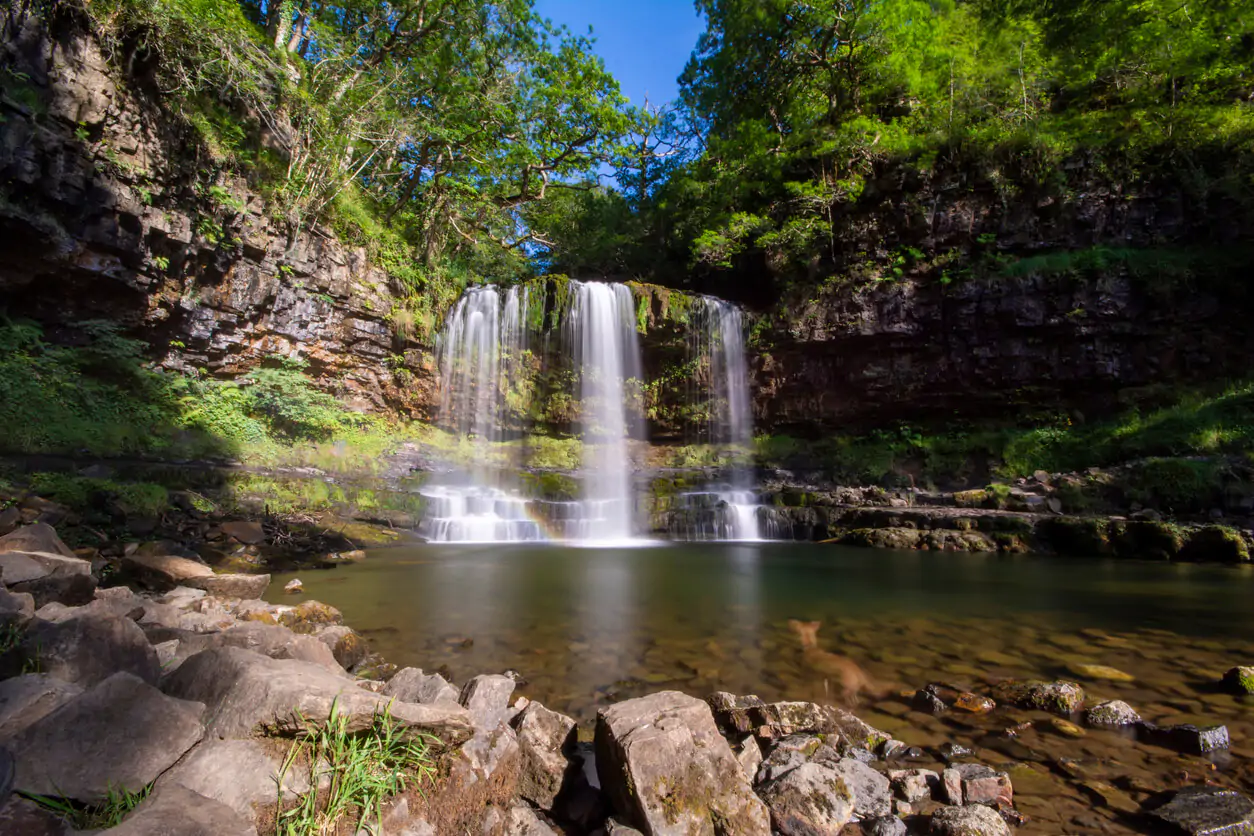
(723, 511)
(482, 351)
(485, 385)
(601, 327)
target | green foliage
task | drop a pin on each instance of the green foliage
(1177, 485)
(109, 813)
(363, 770)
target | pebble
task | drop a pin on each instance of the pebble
(1065, 728)
(1100, 672)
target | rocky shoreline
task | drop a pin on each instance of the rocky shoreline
(155, 674)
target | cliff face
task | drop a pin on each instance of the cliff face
(109, 210)
(105, 214)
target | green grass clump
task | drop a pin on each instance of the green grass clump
(108, 813)
(364, 770)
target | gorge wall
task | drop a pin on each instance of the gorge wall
(109, 209)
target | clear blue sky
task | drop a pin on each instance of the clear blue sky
(645, 43)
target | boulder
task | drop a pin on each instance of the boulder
(937, 698)
(16, 567)
(71, 585)
(810, 800)
(174, 809)
(914, 784)
(1238, 680)
(248, 532)
(348, 647)
(1112, 713)
(10, 518)
(309, 616)
(1207, 811)
(37, 537)
(732, 712)
(26, 818)
(164, 571)
(968, 821)
(273, 641)
(247, 692)
(871, 790)
(982, 785)
(121, 733)
(1058, 697)
(545, 738)
(1185, 737)
(231, 585)
(91, 648)
(486, 697)
(16, 608)
(749, 756)
(884, 826)
(237, 773)
(28, 698)
(523, 821)
(739, 715)
(412, 685)
(667, 770)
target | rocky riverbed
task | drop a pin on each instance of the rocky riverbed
(154, 672)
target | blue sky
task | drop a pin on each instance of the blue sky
(645, 43)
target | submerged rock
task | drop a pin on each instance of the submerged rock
(1101, 672)
(1208, 811)
(1112, 713)
(937, 698)
(1058, 697)
(666, 769)
(1185, 738)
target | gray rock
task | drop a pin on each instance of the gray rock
(26, 699)
(884, 826)
(248, 532)
(1208, 811)
(38, 537)
(486, 697)
(614, 827)
(914, 784)
(91, 648)
(778, 763)
(348, 647)
(16, 608)
(785, 718)
(231, 585)
(163, 571)
(26, 818)
(522, 821)
(871, 794)
(412, 685)
(174, 809)
(810, 800)
(951, 787)
(247, 692)
(968, 821)
(121, 733)
(64, 585)
(1112, 713)
(16, 567)
(732, 712)
(237, 773)
(666, 769)
(1185, 738)
(544, 737)
(276, 642)
(749, 756)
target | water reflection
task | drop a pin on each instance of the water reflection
(589, 626)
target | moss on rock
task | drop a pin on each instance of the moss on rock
(1216, 543)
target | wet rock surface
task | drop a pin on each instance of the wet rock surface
(1207, 811)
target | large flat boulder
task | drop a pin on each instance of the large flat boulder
(91, 648)
(26, 699)
(37, 537)
(247, 692)
(164, 571)
(121, 733)
(174, 809)
(237, 773)
(667, 770)
(231, 585)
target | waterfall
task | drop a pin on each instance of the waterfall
(482, 352)
(723, 511)
(486, 379)
(602, 331)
